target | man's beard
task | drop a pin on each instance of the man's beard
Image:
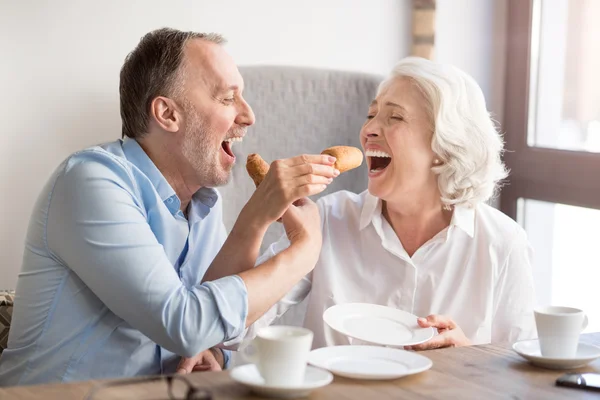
(197, 150)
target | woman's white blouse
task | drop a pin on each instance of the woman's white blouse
(477, 271)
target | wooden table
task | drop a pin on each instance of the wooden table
(477, 372)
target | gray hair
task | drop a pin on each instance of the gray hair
(465, 137)
(153, 69)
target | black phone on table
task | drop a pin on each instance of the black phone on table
(586, 380)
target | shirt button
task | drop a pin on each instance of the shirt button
(170, 200)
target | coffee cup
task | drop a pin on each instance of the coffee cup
(280, 354)
(559, 329)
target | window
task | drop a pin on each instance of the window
(552, 133)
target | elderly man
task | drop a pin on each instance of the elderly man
(127, 265)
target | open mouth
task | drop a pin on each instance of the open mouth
(378, 160)
(227, 144)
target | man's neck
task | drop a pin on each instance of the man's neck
(164, 159)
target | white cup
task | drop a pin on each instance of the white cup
(280, 354)
(558, 330)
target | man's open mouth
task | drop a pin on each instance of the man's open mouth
(378, 160)
(226, 145)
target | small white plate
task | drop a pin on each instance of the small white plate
(369, 362)
(376, 324)
(249, 376)
(530, 350)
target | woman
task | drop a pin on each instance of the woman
(422, 239)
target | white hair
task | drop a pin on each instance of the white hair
(465, 138)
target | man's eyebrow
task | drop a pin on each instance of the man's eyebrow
(219, 90)
(228, 88)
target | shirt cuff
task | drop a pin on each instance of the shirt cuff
(226, 358)
(231, 298)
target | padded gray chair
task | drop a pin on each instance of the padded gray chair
(299, 110)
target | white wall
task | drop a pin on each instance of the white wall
(60, 63)
(60, 59)
(471, 34)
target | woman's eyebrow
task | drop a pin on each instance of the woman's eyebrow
(388, 103)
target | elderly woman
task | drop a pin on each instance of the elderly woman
(422, 239)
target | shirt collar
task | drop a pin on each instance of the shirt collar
(206, 196)
(138, 157)
(371, 207)
(463, 217)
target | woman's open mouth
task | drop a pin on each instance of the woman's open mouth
(377, 161)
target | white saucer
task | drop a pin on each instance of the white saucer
(530, 350)
(376, 324)
(369, 362)
(248, 375)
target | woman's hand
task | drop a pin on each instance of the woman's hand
(449, 333)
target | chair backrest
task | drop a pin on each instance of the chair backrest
(299, 110)
(7, 298)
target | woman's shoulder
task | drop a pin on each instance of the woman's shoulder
(494, 223)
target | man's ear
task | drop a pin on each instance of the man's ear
(166, 113)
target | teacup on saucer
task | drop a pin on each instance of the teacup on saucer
(530, 350)
(249, 376)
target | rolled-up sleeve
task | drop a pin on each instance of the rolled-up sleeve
(98, 228)
(231, 299)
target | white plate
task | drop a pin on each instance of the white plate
(530, 350)
(376, 324)
(369, 362)
(249, 376)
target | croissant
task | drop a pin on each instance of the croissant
(257, 168)
(348, 158)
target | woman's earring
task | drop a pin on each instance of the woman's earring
(436, 161)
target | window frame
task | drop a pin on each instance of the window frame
(552, 175)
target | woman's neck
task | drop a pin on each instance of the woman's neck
(416, 219)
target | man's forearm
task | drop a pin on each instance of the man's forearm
(269, 282)
(240, 250)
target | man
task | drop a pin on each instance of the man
(126, 266)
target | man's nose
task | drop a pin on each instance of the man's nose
(246, 116)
